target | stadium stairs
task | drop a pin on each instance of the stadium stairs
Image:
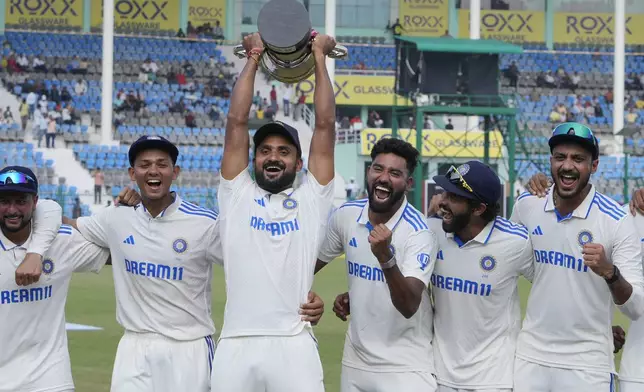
(10, 100)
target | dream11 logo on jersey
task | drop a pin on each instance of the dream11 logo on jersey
(47, 12)
(593, 29)
(509, 26)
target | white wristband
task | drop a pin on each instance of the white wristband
(389, 264)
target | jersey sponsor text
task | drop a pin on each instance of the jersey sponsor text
(275, 228)
(559, 259)
(366, 272)
(25, 295)
(452, 283)
(161, 271)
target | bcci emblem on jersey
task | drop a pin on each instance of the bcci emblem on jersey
(47, 266)
(179, 245)
(488, 263)
(289, 204)
(423, 260)
(584, 237)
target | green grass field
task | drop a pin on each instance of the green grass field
(91, 302)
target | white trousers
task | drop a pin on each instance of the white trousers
(532, 377)
(358, 380)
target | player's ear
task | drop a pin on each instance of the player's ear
(299, 165)
(176, 169)
(594, 165)
(410, 183)
(480, 209)
(130, 171)
(35, 199)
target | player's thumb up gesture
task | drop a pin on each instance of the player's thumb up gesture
(595, 259)
(380, 241)
(29, 270)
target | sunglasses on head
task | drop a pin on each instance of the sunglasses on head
(456, 178)
(15, 178)
(575, 129)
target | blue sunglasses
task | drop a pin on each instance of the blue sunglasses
(575, 129)
(14, 177)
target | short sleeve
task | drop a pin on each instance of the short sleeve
(516, 214)
(420, 253)
(332, 246)
(215, 252)
(321, 195)
(85, 256)
(526, 261)
(627, 256)
(47, 219)
(230, 191)
(95, 228)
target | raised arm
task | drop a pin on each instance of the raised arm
(236, 142)
(321, 160)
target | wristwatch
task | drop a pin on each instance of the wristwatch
(615, 276)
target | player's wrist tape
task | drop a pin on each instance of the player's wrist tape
(389, 264)
(615, 277)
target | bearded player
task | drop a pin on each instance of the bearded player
(587, 260)
(270, 235)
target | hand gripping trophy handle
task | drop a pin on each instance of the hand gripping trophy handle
(338, 52)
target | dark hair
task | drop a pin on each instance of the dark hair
(490, 213)
(397, 147)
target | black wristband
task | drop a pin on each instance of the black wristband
(615, 276)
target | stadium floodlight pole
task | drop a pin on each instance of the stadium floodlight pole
(618, 73)
(329, 29)
(107, 71)
(475, 19)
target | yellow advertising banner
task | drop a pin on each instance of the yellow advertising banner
(358, 90)
(438, 143)
(423, 18)
(34, 14)
(140, 15)
(207, 11)
(596, 29)
(510, 26)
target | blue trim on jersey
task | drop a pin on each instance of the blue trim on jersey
(354, 203)
(608, 206)
(211, 351)
(511, 225)
(458, 241)
(2, 245)
(65, 229)
(192, 209)
(612, 385)
(416, 216)
(505, 230)
(524, 195)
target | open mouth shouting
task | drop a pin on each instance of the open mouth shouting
(154, 185)
(382, 193)
(568, 180)
(273, 170)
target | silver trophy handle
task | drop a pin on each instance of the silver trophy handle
(337, 53)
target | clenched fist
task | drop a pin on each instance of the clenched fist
(253, 41)
(128, 197)
(29, 270)
(323, 44)
(380, 240)
(595, 259)
(341, 306)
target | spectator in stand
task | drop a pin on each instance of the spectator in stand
(287, 95)
(512, 73)
(631, 117)
(609, 96)
(189, 69)
(83, 66)
(80, 88)
(352, 189)
(299, 109)
(99, 180)
(555, 116)
(51, 132)
(38, 65)
(180, 34)
(8, 116)
(259, 113)
(54, 94)
(181, 78)
(449, 125)
(374, 120)
(171, 76)
(345, 123)
(24, 114)
(217, 31)
(67, 116)
(575, 79)
(273, 96)
(12, 64)
(360, 66)
(257, 99)
(190, 120)
(65, 96)
(43, 105)
(32, 100)
(73, 65)
(356, 123)
(149, 66)
(190, 30)
(549, 80)
(396, 28)
(23, 62)
(589, 110)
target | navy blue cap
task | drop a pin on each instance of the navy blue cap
(278, 128)
(152, 143)
(18, 179)
(484, 183)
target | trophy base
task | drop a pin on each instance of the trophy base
(290, 73)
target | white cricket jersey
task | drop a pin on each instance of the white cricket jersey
(270, 246)
(162, 266)
(379, 337)
(478, 315)
(33, 340)
(46, 221)
(570, 308)
(632, 365)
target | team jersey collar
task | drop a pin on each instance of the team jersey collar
(6, 244)
(482, 238)
(581, 211)
(363, 219)
(168, 210)
(286, 192)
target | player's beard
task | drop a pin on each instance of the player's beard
(458, 223)
(278, 184)
(381, 207)
(582, 182)
(25, 221)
